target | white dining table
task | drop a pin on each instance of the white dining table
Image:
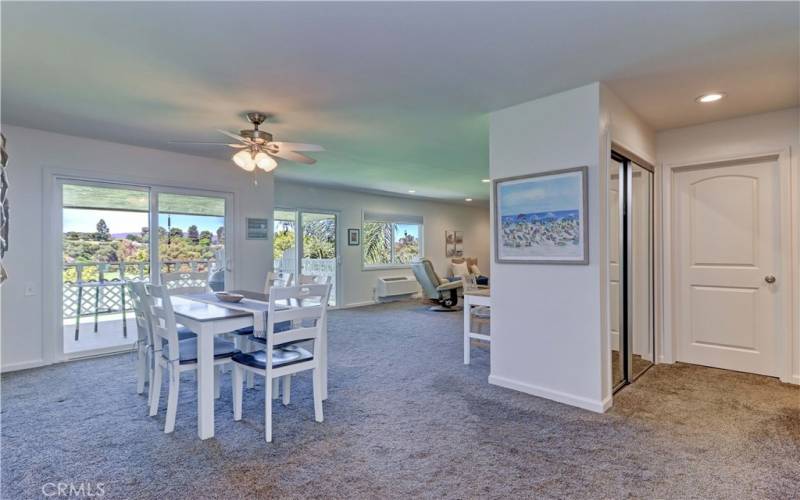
(208, 320)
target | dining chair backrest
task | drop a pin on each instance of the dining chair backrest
(162, 319)
(185, 282)
(305, 315)
(279, 279)
(139, 298)
(312, 279)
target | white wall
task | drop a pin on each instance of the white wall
(548, 331)
(624, 126)
(26, 341)
(755, 134)
(357, 284)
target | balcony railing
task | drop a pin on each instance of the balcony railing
(109, 298)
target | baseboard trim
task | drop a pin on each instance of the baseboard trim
(359, 304)
(794, 379)
(25, 365)
(597, 406)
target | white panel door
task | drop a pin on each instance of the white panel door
(727, 251)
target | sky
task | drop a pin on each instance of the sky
(85, 221)
(541, 194)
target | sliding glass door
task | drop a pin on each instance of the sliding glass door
(306, 243)
(191, 234)
(105, 231)
(112, 234)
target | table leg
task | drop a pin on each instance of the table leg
(205, 383)
(323, 362)
(467, 326)
(78, 317)
(124, 321)
(96, 306)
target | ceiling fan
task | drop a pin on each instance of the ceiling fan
(257, 148)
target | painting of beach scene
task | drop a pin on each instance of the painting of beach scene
(541, 218)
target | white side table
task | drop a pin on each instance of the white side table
(473, 298)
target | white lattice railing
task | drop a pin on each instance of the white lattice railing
(109, 298)
(317, 267)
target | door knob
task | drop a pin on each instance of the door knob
(769, 279)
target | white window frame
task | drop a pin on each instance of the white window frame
(394, 219)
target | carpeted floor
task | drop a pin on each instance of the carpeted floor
(405, 419)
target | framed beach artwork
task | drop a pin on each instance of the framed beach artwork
(541, 218)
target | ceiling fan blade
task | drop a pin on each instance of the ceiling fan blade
(235, 136)
(201, 143)
(296, 146)
(292, 156)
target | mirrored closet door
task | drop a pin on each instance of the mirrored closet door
(630, 222)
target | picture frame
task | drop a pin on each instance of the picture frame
(458, 248)
(353, 237)
(257, 229)
(542, 218)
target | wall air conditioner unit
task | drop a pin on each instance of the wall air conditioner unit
(394, 286)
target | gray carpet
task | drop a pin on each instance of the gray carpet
(405, 418)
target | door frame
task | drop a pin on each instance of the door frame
(299, 242)
(669, 266)
(52, 179)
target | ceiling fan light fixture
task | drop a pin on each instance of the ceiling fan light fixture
(265, 162)
(244, 160)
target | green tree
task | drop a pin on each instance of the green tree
(102, 234)
(192, 233)
(377, 243)
(282, 241)
(220, 234)
(176, 232)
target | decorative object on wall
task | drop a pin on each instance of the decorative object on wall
(257, 229)
(459, 244)
(353, 237)
(541, 218)
(453, 243)
(3, 206)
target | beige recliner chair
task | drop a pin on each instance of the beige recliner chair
(435, 288)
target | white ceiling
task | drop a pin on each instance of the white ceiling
(398, 93)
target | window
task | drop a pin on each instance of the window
(391, 240)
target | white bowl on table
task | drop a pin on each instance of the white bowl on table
(229, 297)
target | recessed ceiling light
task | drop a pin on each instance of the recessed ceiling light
(467, 199)
(710, 97)
(411, 191)
(486, 180)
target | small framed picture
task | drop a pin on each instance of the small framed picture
(353, 237)
(257, 229)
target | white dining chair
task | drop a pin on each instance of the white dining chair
(180, 283)
(282, 355)
(313, 279)
(176, 356)
(144, 341)
(280, 279)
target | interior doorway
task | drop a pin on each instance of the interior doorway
(631, 269)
